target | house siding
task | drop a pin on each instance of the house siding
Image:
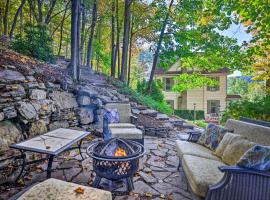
(198, 96)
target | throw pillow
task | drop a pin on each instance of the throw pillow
(235, 150)
(228, 137)
(112, 115)
(212, 136)
(258, 157)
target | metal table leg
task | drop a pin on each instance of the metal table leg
(49, 168)
(79, 146)
(23, 165)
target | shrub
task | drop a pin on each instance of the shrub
(201, 123)
(156, 91)
(36, 42)
(189, 114)
(259, 109)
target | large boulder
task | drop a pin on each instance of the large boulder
(86, 116)
(58, 124)
(37, 128)
(37, 94)
(64, 100)
(9, 134)
(27, 110)
(7, 76)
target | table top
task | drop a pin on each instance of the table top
(53, 142)
(53, 189)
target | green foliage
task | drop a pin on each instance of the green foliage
(189, 114)
(156, 92)
(200, 123)
(258, 109)
(185, 82)
(250, 91)
(35, 42)
(144, 99)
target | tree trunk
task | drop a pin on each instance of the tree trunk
(125, 40)
(1, 16)
(158, 48)
(48, 17)
(6, 18)
(113, 44)
(130, 50)
(117, 52)
(61, 30)
(78, 40)
(40, 15)
(91, 36)
(21, 22)
(15, 18)
(74, 42)
(82, 33)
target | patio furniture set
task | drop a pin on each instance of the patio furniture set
(210, 174)
(215, 174)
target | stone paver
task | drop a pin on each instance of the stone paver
(157, 178)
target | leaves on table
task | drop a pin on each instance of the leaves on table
(79, 190)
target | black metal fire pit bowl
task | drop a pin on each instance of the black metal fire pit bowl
(108, 166)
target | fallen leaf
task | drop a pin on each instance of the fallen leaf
(148, 194)
(79, 190)
(162, 196)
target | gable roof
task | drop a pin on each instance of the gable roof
(176, 69)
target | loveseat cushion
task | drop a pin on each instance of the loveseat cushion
(127, 133)
(190, 148)
(228, 137)
(235, 150)
(201, 172)
(121, 125)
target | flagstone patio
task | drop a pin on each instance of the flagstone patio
(158, 177)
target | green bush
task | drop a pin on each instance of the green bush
(156, 91)
(259, 109)
(144, 99)
(35, 42)
(189, 114)
(200, 123)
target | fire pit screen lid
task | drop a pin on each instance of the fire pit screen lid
(108, 148)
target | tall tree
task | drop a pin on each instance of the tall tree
(62, 29)
(6, 18)
(78, 40)
(83, 31)
(125, 40)
(117, 51)
(112, 41)
(16, 18)
(159, 47)
(130, 50)
(74, 38)
(91, 36)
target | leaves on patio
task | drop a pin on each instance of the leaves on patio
(79, 190)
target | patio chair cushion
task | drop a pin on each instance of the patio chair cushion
(190, 148)
(123, 109)
(53, 189)
(127, 133)
(235, 150)
(258, 157)
(212, 136)
(201, 172)
(228, 137)
(121, 125)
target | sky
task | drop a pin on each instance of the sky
(237, 32)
